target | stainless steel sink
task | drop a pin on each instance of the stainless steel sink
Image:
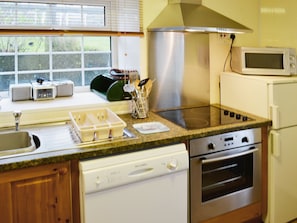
(47, 138)
(16, 142)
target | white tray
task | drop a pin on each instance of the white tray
(150, 127)
(97, 124)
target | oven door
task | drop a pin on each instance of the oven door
(224, 181)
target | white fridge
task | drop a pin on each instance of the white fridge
(275, 98)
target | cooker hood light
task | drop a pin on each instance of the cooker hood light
(192, 16)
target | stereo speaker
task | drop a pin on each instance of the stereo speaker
(21, 92)
(64, 88)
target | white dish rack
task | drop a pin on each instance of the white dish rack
(97, 124)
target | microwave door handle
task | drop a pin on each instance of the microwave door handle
(204, 160)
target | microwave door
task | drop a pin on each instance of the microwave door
(264, 61)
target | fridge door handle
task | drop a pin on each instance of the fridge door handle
(274, 114)
(276, 143)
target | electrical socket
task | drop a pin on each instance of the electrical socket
(223, 35)
(224, 38)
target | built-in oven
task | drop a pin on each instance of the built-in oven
(225, 169)
(225, 173)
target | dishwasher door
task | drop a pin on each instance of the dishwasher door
(149, 187)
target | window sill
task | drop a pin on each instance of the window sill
(36, 112)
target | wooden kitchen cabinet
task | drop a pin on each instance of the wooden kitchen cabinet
(37, 194)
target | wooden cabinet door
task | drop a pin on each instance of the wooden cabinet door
(37, 194)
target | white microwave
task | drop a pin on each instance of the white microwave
(263, 60)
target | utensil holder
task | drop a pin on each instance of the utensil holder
(140, 106)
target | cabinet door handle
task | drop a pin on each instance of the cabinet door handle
(63, 171)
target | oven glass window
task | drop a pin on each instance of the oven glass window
(226, 176)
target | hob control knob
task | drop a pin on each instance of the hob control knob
(172, 164)
(245, 139)
(211, 146)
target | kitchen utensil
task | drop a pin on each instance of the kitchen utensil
(148, 86)
(136, 83)
(129, 88)
(143, 82)
(133, 76)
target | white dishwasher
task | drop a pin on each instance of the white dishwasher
(149, 186)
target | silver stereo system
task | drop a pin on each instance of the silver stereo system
(41, 91)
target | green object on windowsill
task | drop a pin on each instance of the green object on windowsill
(109, 88)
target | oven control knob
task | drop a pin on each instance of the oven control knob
(211, 146)
(245, 139)
(172, 164)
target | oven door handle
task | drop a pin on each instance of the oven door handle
(205, 160)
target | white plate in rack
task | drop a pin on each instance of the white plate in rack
(150, 127)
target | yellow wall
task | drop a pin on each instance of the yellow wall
(245, 12)
(278, 23)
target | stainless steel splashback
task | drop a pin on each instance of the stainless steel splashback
(179, 63)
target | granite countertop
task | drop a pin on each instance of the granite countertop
(58, 152)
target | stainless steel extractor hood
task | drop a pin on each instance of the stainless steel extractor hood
(192, 16)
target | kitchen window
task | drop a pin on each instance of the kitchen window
(78, 58)
(65, 39)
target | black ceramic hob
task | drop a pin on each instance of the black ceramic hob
(202, 117)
